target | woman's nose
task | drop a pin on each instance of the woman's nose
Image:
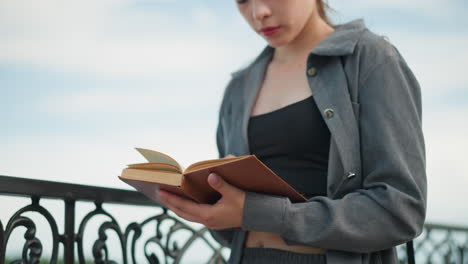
(260, 9)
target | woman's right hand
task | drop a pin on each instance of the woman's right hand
(229, 156)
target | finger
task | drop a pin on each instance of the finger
(219, 184)
(184, 215)
(186, 205)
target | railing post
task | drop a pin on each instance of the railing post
(410, 252)
(69, 241)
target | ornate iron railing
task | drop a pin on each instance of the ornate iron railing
(437, 243)
(442, 244)
(164, 238)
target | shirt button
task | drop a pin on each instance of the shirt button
(312, 71)
(329, 112)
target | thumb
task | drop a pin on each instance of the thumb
(219, 184)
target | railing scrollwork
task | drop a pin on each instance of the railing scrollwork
(173, 250)
(159, 245)
(32, 249)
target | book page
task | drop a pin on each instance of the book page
(164, 177)
(207, 163)
(156, 156)
(160, 166)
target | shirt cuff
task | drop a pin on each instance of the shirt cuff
(264, 212)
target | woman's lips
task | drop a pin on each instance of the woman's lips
(268, 31)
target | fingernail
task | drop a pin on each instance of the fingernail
(213, 178)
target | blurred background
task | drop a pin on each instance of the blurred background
(84, 82)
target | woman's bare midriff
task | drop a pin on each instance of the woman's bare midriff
(272, 240)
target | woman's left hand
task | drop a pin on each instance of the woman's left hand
(225, 213)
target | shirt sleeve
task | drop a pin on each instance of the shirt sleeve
(390, 207)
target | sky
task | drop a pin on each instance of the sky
(85, 82)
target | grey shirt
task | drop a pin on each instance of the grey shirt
(376, 181)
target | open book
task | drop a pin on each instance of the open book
(163, 172)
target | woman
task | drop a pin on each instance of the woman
(335, 111)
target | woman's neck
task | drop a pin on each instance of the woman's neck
(313, 32)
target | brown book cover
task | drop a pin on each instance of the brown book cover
(163, 172)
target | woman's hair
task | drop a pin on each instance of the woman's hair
(323, 8)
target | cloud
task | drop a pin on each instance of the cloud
(431, 8)
(436, 59)
(446, 143)
(205, 16)
(119, 57)
(108, 38)
(98, 159)
(105, 101)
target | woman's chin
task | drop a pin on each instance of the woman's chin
(275, 43)
(277, 40)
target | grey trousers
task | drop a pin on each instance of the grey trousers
(273, 255)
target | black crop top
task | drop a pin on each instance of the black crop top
(294, 142)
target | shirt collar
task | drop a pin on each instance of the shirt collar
(340, 42)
